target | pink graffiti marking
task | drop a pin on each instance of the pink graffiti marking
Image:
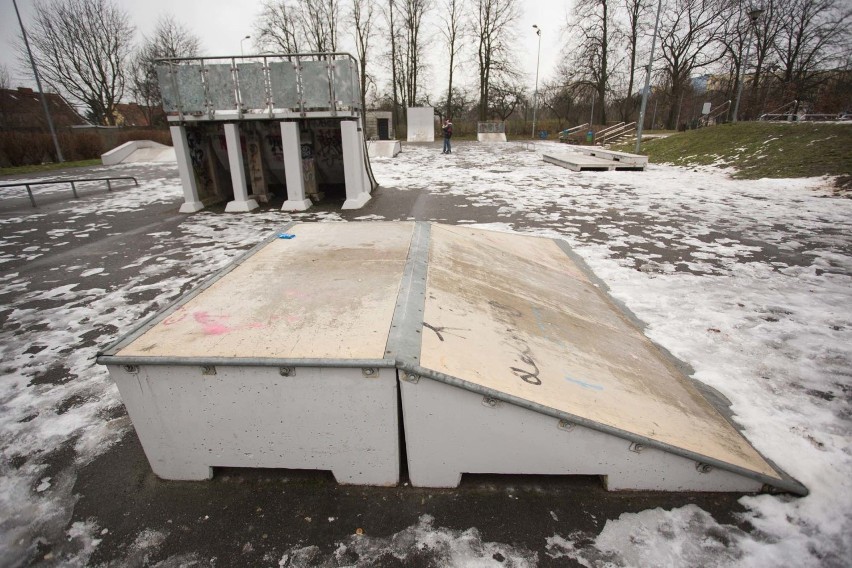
(211, 324)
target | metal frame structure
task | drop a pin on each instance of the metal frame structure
(269, 86)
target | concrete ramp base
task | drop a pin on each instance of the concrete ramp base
(491, 137)
(508, 355)
(384, 148)
(451, 431)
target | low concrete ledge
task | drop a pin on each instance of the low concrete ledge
(384, 148)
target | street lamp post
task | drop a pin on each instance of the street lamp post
(753, 15)
(537, 61)
(242, 52)
(40, 90)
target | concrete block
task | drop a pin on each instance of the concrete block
(421, 124)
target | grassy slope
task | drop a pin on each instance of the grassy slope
(761, 149)
(48, 167)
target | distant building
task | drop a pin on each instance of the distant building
(20, 109)
(134, 114)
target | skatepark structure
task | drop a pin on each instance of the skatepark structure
(244, 127)
(491, 131)
(344, 346)
(594, 158)
(421, 124)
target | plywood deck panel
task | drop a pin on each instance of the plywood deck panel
(516, 315)
(330, 292)
(579, 162)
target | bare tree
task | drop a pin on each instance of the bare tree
(5, 81)
(362, 18)
(506, 94)
(688, 33)
(590, 63)
(451, 29)
(557, 99)
(169, 39)
(410, 63)
(814, 34)
(733, 35)
(390, 20)
(460, 107)
(492, 28)
(319, 21)
(276, 28)
(81, 48)
(634, 11)
(295, 25)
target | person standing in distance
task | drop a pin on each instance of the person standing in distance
(448, 133)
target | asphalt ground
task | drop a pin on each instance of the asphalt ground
(246, 517)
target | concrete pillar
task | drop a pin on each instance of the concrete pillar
(241, 202)
(191, 202)
(357, 192)
(292, 147)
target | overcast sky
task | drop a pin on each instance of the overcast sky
(222, 23)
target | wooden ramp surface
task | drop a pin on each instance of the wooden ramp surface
(516, 315)
(582, 162)
(330, 292)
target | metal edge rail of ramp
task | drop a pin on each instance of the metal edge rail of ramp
(508, 354)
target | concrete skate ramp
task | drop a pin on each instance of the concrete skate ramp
(506, 353)
(491, 137)
(421, 124)
(137, 151)
(515, 315)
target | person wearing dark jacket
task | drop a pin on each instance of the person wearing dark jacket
(448, 133)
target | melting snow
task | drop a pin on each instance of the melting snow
(749, 282)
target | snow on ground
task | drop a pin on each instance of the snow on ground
(413, 546)
(749, 282)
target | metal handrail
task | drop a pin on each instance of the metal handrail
(608, 129)
(287, 56)
(73, 183)
(616, 132)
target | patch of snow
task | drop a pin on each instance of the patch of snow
(440, 546)
(91, 272)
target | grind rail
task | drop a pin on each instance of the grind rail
(73, 183)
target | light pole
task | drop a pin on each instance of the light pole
(648, 84)
(242, 52)
(538, 59)
(753, 15)
(40, 90)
